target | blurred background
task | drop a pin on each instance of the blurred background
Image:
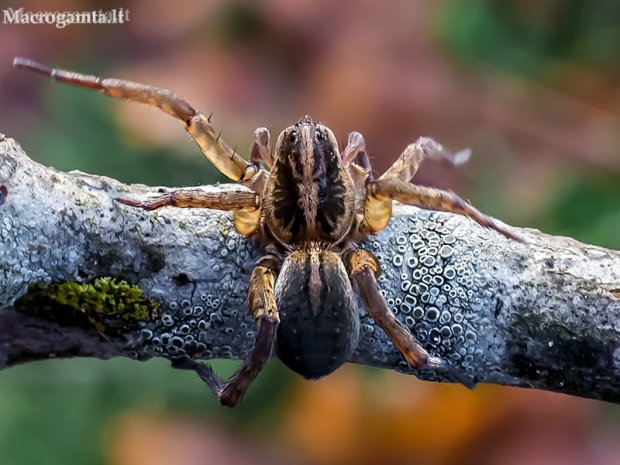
(532, 87)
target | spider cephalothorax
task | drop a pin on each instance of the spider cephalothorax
(310, 210)
(309, 193)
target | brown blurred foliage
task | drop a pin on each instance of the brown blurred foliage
(354, 418)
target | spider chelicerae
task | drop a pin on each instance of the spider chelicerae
(310, 209)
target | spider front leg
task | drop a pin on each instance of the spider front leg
(213, 147)
(394, 185)
(263, 307)
(245, 204)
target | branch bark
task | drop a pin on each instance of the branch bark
(543, 315)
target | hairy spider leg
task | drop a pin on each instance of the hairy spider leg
(198, 198)
(407, 164)
(213, 147)
(203, 370)
(434, 199)
(245, 204)
(395, 184)
(263, 308)
(227, 161)
(364, 269)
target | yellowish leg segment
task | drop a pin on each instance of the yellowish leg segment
(406, 166)
(394, 185)
(199, 127)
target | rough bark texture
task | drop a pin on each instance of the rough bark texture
(543, 314)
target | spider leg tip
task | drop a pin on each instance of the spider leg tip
(132, 203)
(514, 236)
(450, 373)
(461, 157)
(19, 62)
(230, 395)
(436, 364)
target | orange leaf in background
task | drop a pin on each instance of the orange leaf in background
(354, 418)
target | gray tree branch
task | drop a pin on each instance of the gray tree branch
(543, 314)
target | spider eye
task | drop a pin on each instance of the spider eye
(319, 135)
(293, 136)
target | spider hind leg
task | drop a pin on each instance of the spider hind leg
(263, 307)
(364, 270)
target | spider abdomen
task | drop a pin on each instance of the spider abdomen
(319, 323)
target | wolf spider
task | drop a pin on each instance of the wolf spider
(311, 209)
